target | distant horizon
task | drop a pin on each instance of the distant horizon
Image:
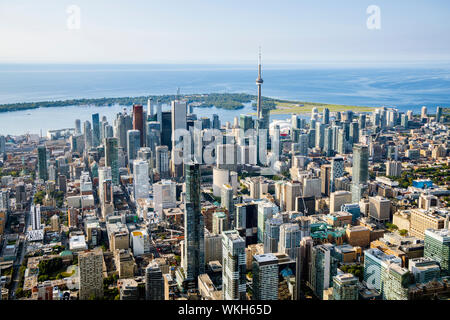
(249, 64)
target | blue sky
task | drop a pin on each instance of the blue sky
(213, 31)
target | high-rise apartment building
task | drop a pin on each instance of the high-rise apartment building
(323, 267)
(393, 168)
(87, 131)
(35, 212)
(140, 179)
(154, 282)
(437, 247)
(233, 266)
(164, 195)
(339, 198)
(379, 209)
(345, 287)
(265, 277)
(375, 261)
(91, 274)
(162, 161)
(272, 234)
(290, 237)
(337, 171)
(360, 171)
(133, 143)
(112, 158)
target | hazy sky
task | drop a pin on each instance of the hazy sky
(214, 31)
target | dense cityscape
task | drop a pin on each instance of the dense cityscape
(169, 205)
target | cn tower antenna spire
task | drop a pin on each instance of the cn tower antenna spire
(259, 56)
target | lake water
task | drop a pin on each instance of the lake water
(407, 88)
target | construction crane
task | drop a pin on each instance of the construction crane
(378, 135)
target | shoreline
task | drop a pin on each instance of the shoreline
(226, 101)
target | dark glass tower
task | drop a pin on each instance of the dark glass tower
(95, 130)
(193, 224)
(166, 129)
(138, 121)
(360, 172)
(42, 163)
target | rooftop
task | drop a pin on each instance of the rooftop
(439, 234)
(265, 258)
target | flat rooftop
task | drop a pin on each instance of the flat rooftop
(265, 258)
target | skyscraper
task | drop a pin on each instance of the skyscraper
(150, 107)
(326, 116)
(35, 213)
(265, 211)
(360, 171)
(77, 126)
(233, 266)
(153, 135)
(112, 158)
(87, 135)
(272, 234)
(140, 179)
(91, 274)
(323, 268)
(42, 163)
(328, 142)
(290, 236)
(292, 190)
(227, 200)
(166, 129)
(162, 161)
(341, 141)
(345, 287)
(438, 114)
(437, 247)
(265, 277)
(123, 123)
(95, 130)
(303, 141)
(320, 135)
(424, 112)
(337, 171)
(138, 122)
(325, 177)
(194, 257)
(179, 112)
(354, 132)
(104, 174)
(134, 144)
(375, 261)
(216, 122)
(154, 282)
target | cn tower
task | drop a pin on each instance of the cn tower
(259, 82)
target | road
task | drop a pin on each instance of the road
(21, 252)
